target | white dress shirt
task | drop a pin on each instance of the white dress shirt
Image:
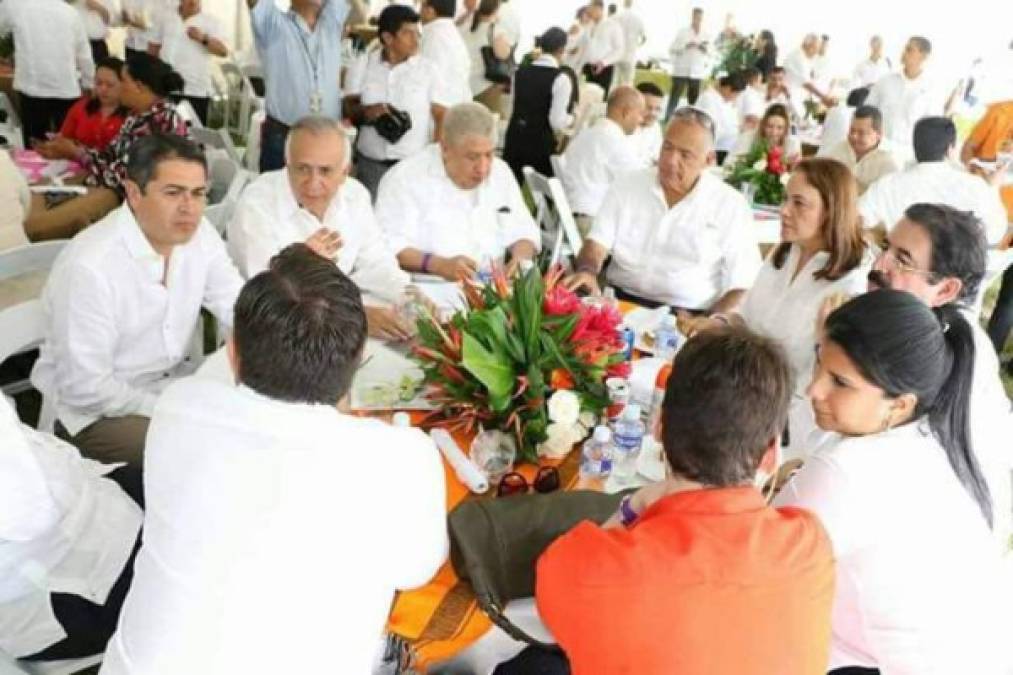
(937, 183)
(418, 206)
(836, 126)
(919, 589)
(413, 86)
(594, 159)
(576, 48)
(647, 142)
(95, 27)
(633, 34)
(268, 218)
(509, 22)
(63, 529)
(188, 57)
(799, 70)
(687, 61)
(903, 102)
(443, 45)
(562, 92)
(152, 13)
(869, 72)
(271, 527)
(54, 58)
(686, 256)
(874, 165)
(725, 116)
(115, 335)
(785, 309)
(606, 44)
(752, 102)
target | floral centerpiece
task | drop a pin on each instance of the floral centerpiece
(762, 172)
(734, 56)
(495, 363)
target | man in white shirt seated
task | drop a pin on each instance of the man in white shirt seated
(861, 152)
(873, 69)
(719, 101)
(443, 45)
(907, 96)
(313, 201)
(690, 55)
(54, 62)
(779, 92)
(648, 136)
(455, 206)
(123, 301)
(678, 235)
(605, 47)
(938, 253)
(601, 153)
(299, 520)
(801, 71)
(67, 532)
(935, 179)
(396, 81)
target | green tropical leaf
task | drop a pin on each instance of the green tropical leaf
(492, 369)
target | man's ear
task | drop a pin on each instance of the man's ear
(233, 355)
(134, 192)
(769, 461)
(948, 290)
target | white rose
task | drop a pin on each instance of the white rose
(558, 443)
(785, 177)
(760, 165)
(564, 408)
(588, 420)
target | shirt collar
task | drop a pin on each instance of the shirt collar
(546, 60)
(708, 501)
(701, 186)
(138, 246)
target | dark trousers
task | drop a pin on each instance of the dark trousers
(99, 50)
(854, 670)
(128, 52)
(535, 661)
(1002, 316)
(272, 145)
(680, 85)
(88, 625)
(200, 106)
(653, 304)
(603, 78)
(42, 115)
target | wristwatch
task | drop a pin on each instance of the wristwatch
(627, 516)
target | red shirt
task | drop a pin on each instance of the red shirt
(90, 130)
(706, 582)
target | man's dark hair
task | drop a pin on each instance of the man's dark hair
(751, 73)
(922, 43)
(299, 329)
(777, 70)
(725, 402)
(148, 152)
(443, 8)
(959, 248)
(871, 113)
(650, 89)
(933, 138)
(856, 97)
(393, 17)
(733, 81)
(552, 40)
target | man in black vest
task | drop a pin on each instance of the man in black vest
(544, 98)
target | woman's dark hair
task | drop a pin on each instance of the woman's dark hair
(300, 328)
(116, 66)
(902, 346)
(841, 227)
(775, 110)
(485, 9)
(729, 401)
(769, 54)
(155, 74)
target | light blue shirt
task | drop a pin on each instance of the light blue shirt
(299, 63)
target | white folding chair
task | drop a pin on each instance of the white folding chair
(558, 164)
(65, 667)
(217, 139)
(10, 127)
(222, 172)
(556, 215)
(189, 115)
(243, 99)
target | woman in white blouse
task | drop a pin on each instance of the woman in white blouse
(920, 589)
(483, 31)
(821, 254)
(775, 130)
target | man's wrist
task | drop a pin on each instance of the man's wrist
(427, 259)
(587, 268)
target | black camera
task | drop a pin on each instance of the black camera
(393, 125)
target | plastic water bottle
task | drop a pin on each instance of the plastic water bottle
(484, 273)
(596, 456)
(666, 339)
(627, 437)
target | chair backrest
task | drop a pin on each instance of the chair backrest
(30, 258)
(219, 215)
(222, 174)
(554, 214)
(22, 327)
(189, 115)
(215, 138)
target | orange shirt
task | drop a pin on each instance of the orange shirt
(706, 582)
(991, 130)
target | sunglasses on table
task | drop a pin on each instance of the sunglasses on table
(513, 483)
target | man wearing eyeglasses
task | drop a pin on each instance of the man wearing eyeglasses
(677, 234)
(938, 253)
(123, 301)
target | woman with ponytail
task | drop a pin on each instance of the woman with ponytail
(900, 492)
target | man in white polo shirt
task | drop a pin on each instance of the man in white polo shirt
(124, 298)
(600, 154)
(605, 47)
(800, 69)
(873, 69)
(396, 81)
(53, 61)
(443, 45)
(907, 96)
(690, 53)
(456, 207)
(678, 235)
(313, 201)
(97, 16)
(862, 150)
(935, 179)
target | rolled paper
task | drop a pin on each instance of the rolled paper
(466, 471)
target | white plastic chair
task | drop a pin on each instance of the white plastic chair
(555, 214)
(217, 139)
(242, 98)
(65, 667)
(11, 127)
(189, 115)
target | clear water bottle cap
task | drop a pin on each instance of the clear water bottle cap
(668, 321)
(602, 434)
(631, 412)
(401, 419)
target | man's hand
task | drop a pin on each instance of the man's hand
(690, 325)
(385, 324)
(454, 269)
(196, 34)
(372, 112)
(325, 243)
(582, 280)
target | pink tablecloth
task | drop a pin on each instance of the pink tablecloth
(36, 168)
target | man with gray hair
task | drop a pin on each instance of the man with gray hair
(678, 235)
(800, 69)
(454, 208)
(314, 201)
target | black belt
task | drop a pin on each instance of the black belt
(653, 304)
